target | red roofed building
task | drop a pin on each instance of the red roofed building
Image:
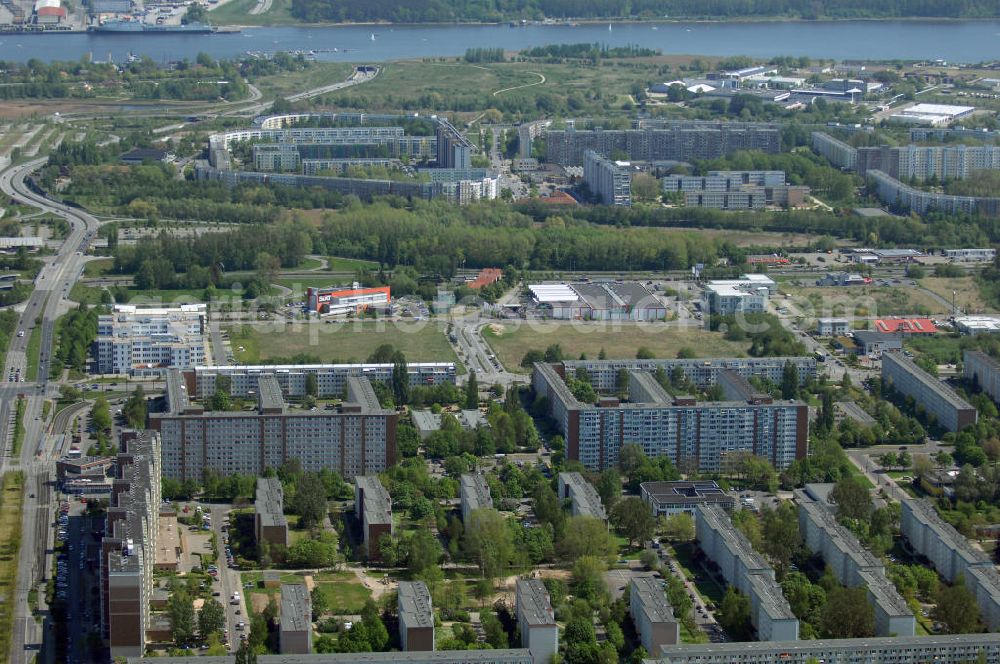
(767, 259)
(486, 276)
(905, 325)
(50, 14)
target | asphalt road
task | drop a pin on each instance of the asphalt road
(46, 303)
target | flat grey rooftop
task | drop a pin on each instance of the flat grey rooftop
(415, 604)
(647, 591)
(376, 502)
(269, 502)
(295, 608)
(475, 491)
(534, 603)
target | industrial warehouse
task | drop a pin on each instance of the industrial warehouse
(598, 301)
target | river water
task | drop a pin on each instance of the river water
(956, 41)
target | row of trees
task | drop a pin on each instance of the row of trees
(447, 11)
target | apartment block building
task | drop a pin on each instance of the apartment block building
(950, 410)
(837, 152)
(582, 496)
(331, 379)
(937, 648)
(134, 340)
(453, 149)
(652, 614)
(295, 627)
(474, 493)
(536, 620)
(270, 524)
(694, 435)
(610, 181)
(953, 556)
(745, 569)
(921, 162)
(669, 498)
(854, 566)
(983, 371)
(894, 193)
(128, 548)
(703, 372)
(373, 509)
(736, 190)
(416, 616)
(357, 438)
(674, 141)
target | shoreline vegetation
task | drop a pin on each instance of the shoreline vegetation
(625, 21)
(577, 11)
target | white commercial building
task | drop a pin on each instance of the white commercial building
(932, 114)
(977, 324)
(133, 340)
(832, 327)
(971, 255)
(737, 296)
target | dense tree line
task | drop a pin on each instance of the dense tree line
(588, 51)
(418, 11)
(143, 79)
(484, 55)
(75, 331)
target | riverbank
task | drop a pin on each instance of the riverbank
(871, 40)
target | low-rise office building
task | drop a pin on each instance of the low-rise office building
(984, 255)
(335, 301)
(950, 410)
(610, 181)
(331, 379)
(536, 620)
(977, 324)
(652, 614)
(128, 548)
(373, 509)
(873, 343)
(745, 569)
(854, 566)
(270, 524)
(937, 648)
(134, 340)
(582, 496)
(734, 297)
(295, 629)
(669, 498)
(953, 556)
(475, 494)
(416, 616)
(356, 438)
(694, 435)
(983, 371)
(832, 327)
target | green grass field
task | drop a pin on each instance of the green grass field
(33, 351)
(457, 84)
(11, 499)
(664, 340)
(865, 301)
(347, 341)
(343, 591)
